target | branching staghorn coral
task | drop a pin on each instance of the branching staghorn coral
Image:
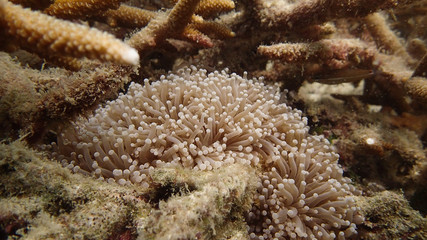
(385, 37)
(110, 11)
(165, 25)
(286, 14)
(417, 88)
(128, 16)
(180, 22)
(46, 35)
(333, 54)
(378, 55)
(203, 121)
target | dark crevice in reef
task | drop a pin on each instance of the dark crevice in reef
(9, 225)
(164, 192)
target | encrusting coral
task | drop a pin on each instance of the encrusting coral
(204, 121)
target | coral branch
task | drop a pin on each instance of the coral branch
(208, 8)
(163, 26)
(417, 88)
(129, 16)
(46, 35)
(421, 69)
(335, 53)
(181, 14)
(285, 14)
(196, 36)
(209, 27)
(69, 9)
(385, 37)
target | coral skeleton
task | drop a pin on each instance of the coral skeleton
(203, 121)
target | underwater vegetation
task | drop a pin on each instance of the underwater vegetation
(213, 119)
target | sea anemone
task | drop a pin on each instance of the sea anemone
(202, 121)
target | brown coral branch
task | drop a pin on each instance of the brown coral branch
(335, 53)
(385, 37)
(421, 69)
(286, 14)
(212, 28)
(128, 16)
(417, 88)
(70, 9)
(196, 36)
(209, 8)
(162, 27)
(40, 33)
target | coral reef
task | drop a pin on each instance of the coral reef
(42, 200)
(356, 70)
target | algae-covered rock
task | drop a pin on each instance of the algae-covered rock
(389, 216)
(51, 202)
(213, 209)
(39, 199)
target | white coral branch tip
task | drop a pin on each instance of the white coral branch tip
(130, 56)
